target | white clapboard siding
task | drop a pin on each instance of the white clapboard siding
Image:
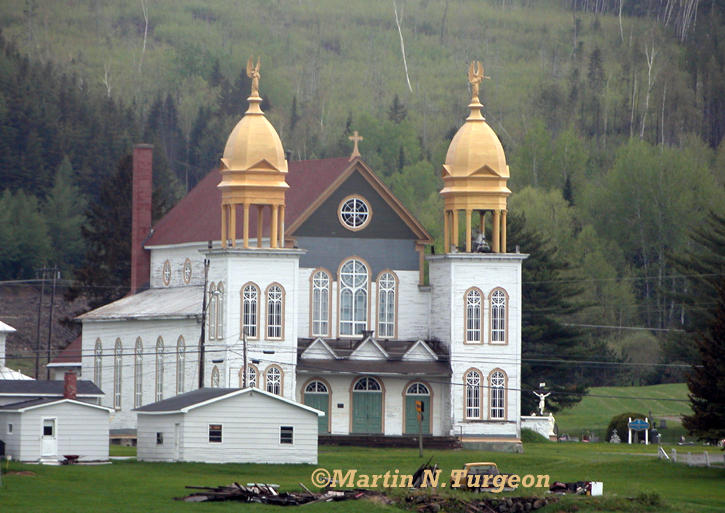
(80, 430)
(12, 440)
(147, 447)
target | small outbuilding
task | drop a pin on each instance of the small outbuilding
(51, 428)
(228, 425)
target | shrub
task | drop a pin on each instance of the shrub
(531, 436)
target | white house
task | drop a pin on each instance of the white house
(47, 429)
(317, 272)
(228, 425)
(68, 360)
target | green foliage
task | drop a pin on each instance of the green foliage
(24, 242)
(707, 380)
(64, 212)
(529, 436)
(620, 423)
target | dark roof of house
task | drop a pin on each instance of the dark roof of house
(395, 348)
(379, 367)
(187, 399)
(71, 354)
(35, 388)
(30, 402)
(196, 217)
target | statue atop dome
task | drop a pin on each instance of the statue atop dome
(475, 77)
(253, 73)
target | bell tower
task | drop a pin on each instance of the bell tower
(253, 171)
(474, 177)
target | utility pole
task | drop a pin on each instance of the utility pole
(203, 324)
(244, 357)
(55, 272)
(37, 329)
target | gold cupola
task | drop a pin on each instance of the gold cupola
(474, 177)
(254, 170)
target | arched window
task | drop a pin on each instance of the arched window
(473, 316)
(320, 326)
(497, 387)
(387, 283)
(180, 365)
(472, 380)
(220, 311)
(275, 311)
(252, 374)
(498, 316)
(211, 311)
(117, 377)
(273, 380)
(316, 387)
(98, 363)
(215, 377)
(159, 369)
(367, 385)
(250, 307)
(353, 297)
(138, 374)
(417, 389)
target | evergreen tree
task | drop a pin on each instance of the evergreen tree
(24, 243)
(546, 299)
(64, 215)
(397, 111)
(707, 380)
(106, 273)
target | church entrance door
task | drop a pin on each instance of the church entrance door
(367, 406)
(317, 396)
(417, 392)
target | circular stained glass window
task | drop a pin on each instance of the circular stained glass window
(354, 213)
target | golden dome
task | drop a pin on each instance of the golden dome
(253, 141)
(474, 146)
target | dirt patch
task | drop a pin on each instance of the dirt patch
(21, 473)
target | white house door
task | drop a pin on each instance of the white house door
(49, 440)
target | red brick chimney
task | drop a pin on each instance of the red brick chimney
(70, 386)
(141, 216)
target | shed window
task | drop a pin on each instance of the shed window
(215, 433)
(286, 434)
(159, 439)
(10, 429)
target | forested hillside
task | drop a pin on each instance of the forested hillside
(612, 115)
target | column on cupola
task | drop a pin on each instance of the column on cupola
(254, 170)
(474, 181)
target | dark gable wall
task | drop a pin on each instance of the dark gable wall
(385, 243)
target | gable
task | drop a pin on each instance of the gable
(368, 350)
(385, 222)
(318, 350)
(420, 352)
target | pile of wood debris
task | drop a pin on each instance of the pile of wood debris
(432, 503)
(268, 494)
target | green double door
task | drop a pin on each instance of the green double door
(367, 412)
(411, 414)
(321, 402)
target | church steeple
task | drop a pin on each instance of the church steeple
(253, 171)
(474, 176)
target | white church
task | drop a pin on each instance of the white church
(314, 277)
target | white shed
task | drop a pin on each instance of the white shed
(228, 425)
(47, 429)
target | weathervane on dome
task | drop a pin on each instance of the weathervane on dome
(475, 76)
(253, 73)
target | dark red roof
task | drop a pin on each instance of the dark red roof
(197, 217)
(71, 354)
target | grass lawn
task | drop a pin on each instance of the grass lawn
(129, 486)
(593, 413)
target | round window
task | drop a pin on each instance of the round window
(166, 273)
(354, 213)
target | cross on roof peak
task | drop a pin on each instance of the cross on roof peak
(355, 138)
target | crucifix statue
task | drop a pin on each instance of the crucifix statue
(355, 138)
(542, 397)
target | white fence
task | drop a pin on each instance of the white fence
(703, 459)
